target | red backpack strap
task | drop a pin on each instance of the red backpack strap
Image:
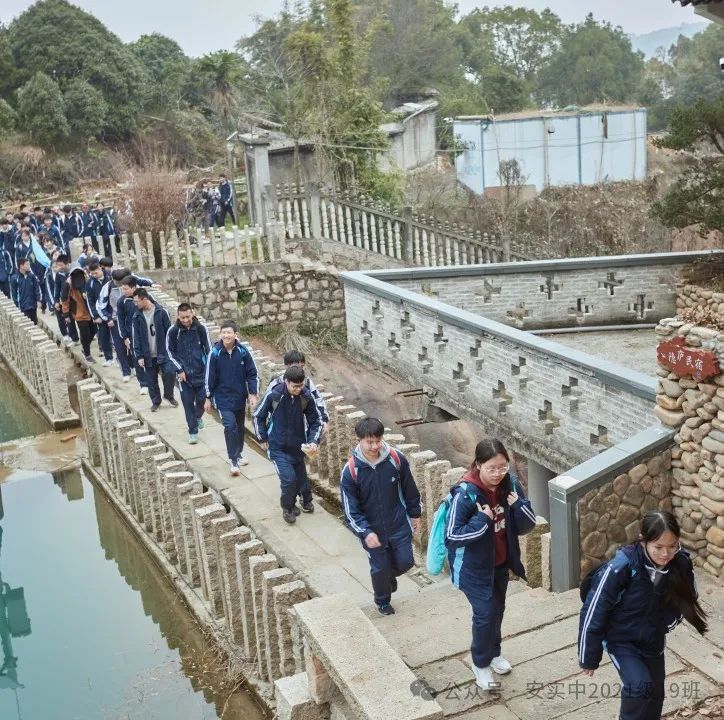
(395, 457)
(352, 467)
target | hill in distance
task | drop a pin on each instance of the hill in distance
(648, 43)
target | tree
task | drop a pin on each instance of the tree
(221, 73)
(8, 118)
(41, 111)
(697, 197)
(594, 63)
(695, 66)
(513, 38)
(167, 70)
(85, 110)
(7, 66)
(64, 42)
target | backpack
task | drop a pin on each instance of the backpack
(305, 402)
(436, 549)
(587, 582)
(393, 457)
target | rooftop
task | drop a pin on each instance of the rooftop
(570, 111)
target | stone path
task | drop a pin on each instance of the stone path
(431, 630)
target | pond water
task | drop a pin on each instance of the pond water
(90, 628)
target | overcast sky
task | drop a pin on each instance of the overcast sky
(201, 27)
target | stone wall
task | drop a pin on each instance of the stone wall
(689, 296)
(557, 293)
(611, 514)
(281, 292)
(38, 364)
(549, 402)
(696, 411)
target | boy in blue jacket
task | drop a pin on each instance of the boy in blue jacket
(6, 270)
(187, 347)
(25, 290)
(96, 279)
(286, 419)
(231, 382)
(382, 506)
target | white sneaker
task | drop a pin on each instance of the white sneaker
(242, 460)
(67, 340)
(500, 665)
(143, 391)
(126, 378)
(234, 469)
(108, 363)
(484, 679)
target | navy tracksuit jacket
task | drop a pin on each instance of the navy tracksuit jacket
(381, 499)
(25, 291)
(629, 616)
(139, 335)
(231, 377)
(6, 270)
(309, 384)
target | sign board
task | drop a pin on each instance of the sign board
(677, 357)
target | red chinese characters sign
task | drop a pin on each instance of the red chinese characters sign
(674, 355)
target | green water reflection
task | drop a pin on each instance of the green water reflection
(18, 416)
(90, 629)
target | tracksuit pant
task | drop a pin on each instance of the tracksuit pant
(124, 358)
(149, 375)
(221, 215)
(233, 422)
(293, 479)
(387, 562)
(5, 287)
(85, 332)
(32, 314)
(642, 683)
(67, 327)
(193, 399)
(488, 603)
(104, 340)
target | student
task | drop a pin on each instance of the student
(65, 322)
(6, 270)
(382, 507)
(25, 290)
(226, 201)
(149, 327)
(485, 518)
(90, 224)
(51, 230)
(97, 278)
(635, 599)
(87, 254)
(187, 347)
(296, 357)
(75, 309)
(71, 226)
(125, 312)
(231, 382)
(286, 419)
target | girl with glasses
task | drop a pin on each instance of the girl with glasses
(487, 513)
(634, 600)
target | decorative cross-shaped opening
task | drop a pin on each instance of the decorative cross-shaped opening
(392, 344)
(426, 289)
(519, 314)
(601, 437)
(549, 287)
(640, 307)
(582, 308)
(572, 393)
(462, 379)
(517, 371)
(488, 290)
(407, 327)
(424, 360)
(439, 338)
(366, 332)
(549, 420)
(475, 353)
(610, 283)
(377, 312)
(503, 397)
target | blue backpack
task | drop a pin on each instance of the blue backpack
(436, 550)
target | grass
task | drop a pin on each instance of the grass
(307, 337)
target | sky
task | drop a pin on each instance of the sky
(202, 27)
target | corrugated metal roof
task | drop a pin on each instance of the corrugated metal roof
(568, 111)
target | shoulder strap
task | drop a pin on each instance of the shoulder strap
(395, 458)
(465, 487)
(352, 467)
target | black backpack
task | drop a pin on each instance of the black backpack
(585, 586)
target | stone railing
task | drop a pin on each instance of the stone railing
(551, 403)
(694, 409)
(360, 222)
(38, 364)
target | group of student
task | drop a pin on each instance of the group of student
(209, 204)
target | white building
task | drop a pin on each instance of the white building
(577, 146)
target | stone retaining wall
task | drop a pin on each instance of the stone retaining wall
(696, 411)
(282, 292)
(38, 364)
(695, 296)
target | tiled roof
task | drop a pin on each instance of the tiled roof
(697, 2)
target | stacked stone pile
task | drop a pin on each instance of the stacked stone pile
(695, 296)
(696, 410)
(611, 514)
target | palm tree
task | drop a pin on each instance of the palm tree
(221, 72)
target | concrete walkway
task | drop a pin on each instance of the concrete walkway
(431, 630)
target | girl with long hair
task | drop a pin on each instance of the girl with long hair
(488, 512)
(635, 598)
